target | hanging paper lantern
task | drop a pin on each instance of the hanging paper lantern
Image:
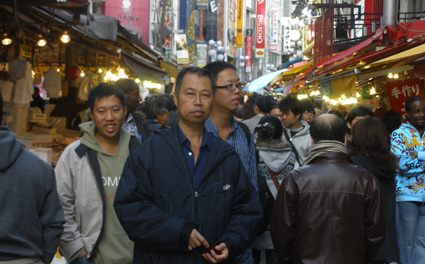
(74, 72)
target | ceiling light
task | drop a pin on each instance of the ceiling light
(65, 38)
(396, 76)
(41, 41)
(6, 40)
(390, 75)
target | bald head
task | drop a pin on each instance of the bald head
(328, 127)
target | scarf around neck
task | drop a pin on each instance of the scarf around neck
(325, 146)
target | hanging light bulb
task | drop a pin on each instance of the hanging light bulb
(82, 74)
(6, 40)
(390, 75)
(41, 41)
(100, 70)
(396, 76)
(65, 38)
(357, 94)
(372, 91)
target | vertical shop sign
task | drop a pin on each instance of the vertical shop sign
(273, 29)
(248, 50)
(201, 50)
(239, 25)
(181, 47)
(399, 91)
(260, 40)
(286, 38)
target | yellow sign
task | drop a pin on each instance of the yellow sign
(25, 51)
(239, 25)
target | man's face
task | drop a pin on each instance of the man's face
(132, 100)
(290, 120)
(194, 100)
(225, 99)
(308, 117)
(277, 113)
(108, 116)
(416, 115)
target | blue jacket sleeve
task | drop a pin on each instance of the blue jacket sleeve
(246, 214)
(145, 223)
(52, 219)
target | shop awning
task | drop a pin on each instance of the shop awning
(418, 50)
(261, 82)
(145, 70)
(172, 70)
(298, 69)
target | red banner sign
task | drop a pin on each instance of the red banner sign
(260, 36)
(399, 91)
(248, 50)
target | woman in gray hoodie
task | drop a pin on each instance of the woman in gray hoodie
(275, 160)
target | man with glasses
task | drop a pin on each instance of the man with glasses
(222, 124)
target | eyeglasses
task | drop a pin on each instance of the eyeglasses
(231, 87)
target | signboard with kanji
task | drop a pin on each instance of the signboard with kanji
(273, 29)
(399, 91)
(248, 50)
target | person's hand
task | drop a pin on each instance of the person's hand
(84, 253)
(413, 154)
(197, 240)
(213, 257)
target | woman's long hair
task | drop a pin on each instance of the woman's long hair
(369, 138)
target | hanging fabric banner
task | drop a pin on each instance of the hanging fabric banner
(399, 91)
(260, 36)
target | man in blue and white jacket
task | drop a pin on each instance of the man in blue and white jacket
(407, 143)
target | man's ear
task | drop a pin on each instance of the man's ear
(349, 125)
(91, 115)
(175, 98)
(312, 141)
(166, 112)
(298, 117)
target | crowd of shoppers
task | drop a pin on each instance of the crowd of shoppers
(202, 177)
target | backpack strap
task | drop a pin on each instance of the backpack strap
(292, 146)
(246, 131)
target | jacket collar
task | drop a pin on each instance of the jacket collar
(331, 157)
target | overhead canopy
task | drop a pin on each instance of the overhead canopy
(289, 63)
(262, 81)
(411, 52)
(298, 69)
(140, 67)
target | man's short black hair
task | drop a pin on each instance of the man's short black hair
(201, 72)
(162, 104)
(308, 106)
(358, 111)
(216, 67)
(127, 85)
(264, 103)
(293, 104)
(410, 101)
(392, 120)
(36, 89)
(328, 127)
(104, 90)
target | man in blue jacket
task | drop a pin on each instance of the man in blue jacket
(184, 196)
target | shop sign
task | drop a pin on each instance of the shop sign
(213, 6)
(181, 47)
(239, 25)
(131, 14)
(248, 50)
(273, 29)
(286, 30)
(399, 91)
(25, 51)
(201, 50)
(260, 39)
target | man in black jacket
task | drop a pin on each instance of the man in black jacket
(31, 216)
(330, 210)
(134, 122)
(184, 196)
